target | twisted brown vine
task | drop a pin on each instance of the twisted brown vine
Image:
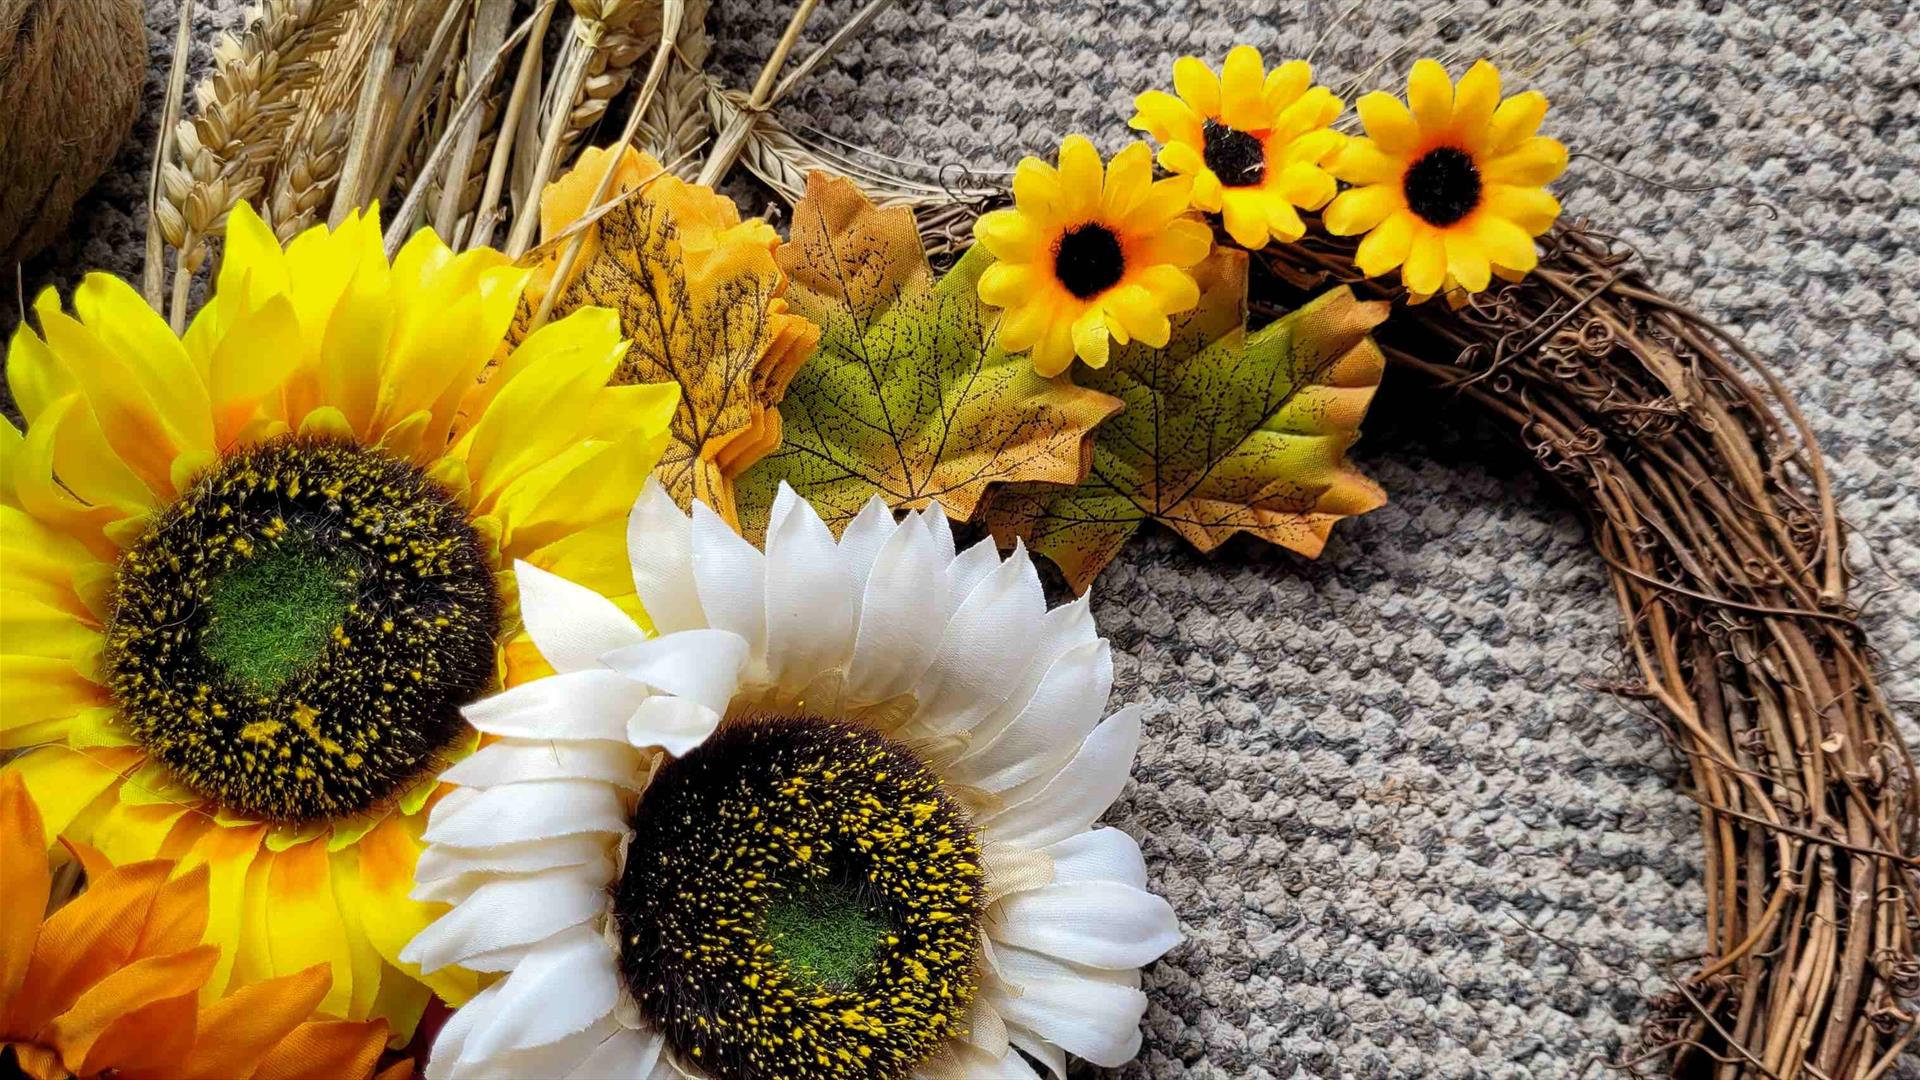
(1710, 503)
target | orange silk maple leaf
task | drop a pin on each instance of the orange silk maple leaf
(700, 297)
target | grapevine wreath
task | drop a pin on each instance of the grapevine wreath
(480, 604)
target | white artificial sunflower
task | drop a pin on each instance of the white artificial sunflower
(834, 820)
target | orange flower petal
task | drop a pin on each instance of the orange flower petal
(123, 993)
(86, 941)
(23, 903)
(239, 1029)
(326, 1050)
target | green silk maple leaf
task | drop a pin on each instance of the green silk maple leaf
(906, 396)
(1224, 432)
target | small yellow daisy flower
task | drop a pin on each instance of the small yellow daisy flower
(1088, 256)
(1451, 189)
(1256, 143)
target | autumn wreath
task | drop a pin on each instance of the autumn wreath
(559, 661)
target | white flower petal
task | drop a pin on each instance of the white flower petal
(902, 615)
(559, 989)
(810, 598)
(626, 1053)
(458, 1028)
(513, 761)
(1087, 1016)
(457, 888)
(864, 536)
(1098, 855)
(965, 1059)
(966, 571)
(574, 705)
(933, 522)
(1051, 1057)
(675, 725)
(703, 666)
(554, 1059)
(1074, 799)
(1061, 630)
(536, 810)
(508, 912)
(439, 861)
(660, 549)
(1061, 711)
(732, 578)
(570, 624)
(988, 637)
(1103, 924)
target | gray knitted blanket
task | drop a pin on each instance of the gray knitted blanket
(1405, 836)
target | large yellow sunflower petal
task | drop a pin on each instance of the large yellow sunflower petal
(565, 365)
(388, 855)
(1008, 284)
(228, 854)
(1283, 221)
(1021, 326)
(1305, 185)
(1137, 311)
(1387, 245)
(63, 781)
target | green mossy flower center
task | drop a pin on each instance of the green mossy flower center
(272, 616)
(829, 933)
(802, 900)
(294, 636)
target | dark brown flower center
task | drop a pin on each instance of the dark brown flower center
(1443, 186)
(1088, 260)
(1237, 158)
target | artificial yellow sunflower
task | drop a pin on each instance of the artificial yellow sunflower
(1256, 143)
(111, 984)
(249, 575)
(1451, 189)
(1088, 255)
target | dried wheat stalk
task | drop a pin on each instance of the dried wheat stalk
(628, 31)
(676, 123)
(245, 109)
(304, 184)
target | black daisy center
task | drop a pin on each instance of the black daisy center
(801, 900)
(1443, 186)
(293, 638)
(1238, 158)
(1088, 260)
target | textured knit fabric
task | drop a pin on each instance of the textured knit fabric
(1406, 835)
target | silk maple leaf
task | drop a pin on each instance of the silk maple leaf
(701, 298)
(1224, 432)
(907, 396)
